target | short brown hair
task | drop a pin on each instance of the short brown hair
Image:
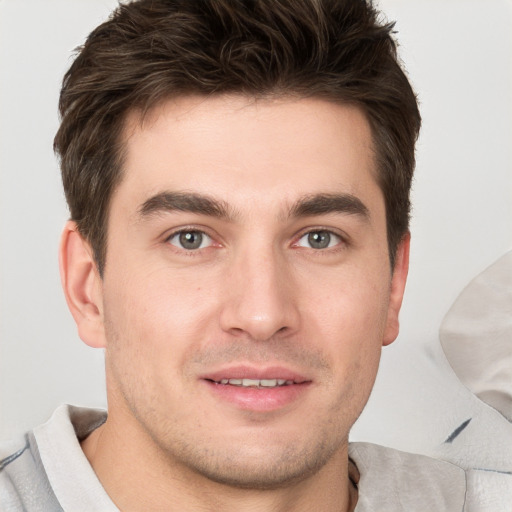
(151, 50)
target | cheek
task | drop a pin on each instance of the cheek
(150, 329)
(157, 311)
(352, 318)
(355, 304)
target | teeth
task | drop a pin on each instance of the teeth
(257, 383)
(250, 383)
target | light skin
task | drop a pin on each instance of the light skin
(247, 239)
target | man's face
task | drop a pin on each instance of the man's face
(247, 289)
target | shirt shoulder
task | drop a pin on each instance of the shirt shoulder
(396, 481)
(24, 485)
(47, 471)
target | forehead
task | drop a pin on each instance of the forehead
(265, 150)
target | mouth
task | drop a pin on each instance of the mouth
(260, 390)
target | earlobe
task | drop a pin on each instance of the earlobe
(398, 281)
(82, 285)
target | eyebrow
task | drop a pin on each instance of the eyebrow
(310, 205)
(185, 202)
(321, 204)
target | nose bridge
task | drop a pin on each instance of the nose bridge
(260, 301)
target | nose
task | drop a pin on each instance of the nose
(260, 301)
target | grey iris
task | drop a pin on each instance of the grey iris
(319, 239)
(191, 239)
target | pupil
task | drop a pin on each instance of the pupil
(319, 239)
(191, 239)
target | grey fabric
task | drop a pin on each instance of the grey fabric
(476, 335)
(47, 470)
(491, 491)
(24, 484)
(395, 481)
(72, 478)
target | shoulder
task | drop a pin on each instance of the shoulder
(9, 453)
(46, 470)
(24, 485)
(394, 481)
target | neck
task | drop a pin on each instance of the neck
(137, 475)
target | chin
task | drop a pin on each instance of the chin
(265, 466)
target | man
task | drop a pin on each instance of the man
(238, 178)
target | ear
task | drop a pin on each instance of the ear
(398, 281)
(82, 285)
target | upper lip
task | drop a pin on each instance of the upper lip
(252, 372)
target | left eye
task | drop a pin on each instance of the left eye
(321, 239)
(190, 240)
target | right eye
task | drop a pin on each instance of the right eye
(190, 239)
(319, 239)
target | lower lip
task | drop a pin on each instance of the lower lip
(259, 399)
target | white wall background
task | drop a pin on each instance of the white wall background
(459, 57)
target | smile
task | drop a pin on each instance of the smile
(250, 388)
(255, 383)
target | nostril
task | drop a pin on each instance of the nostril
(237, 331)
